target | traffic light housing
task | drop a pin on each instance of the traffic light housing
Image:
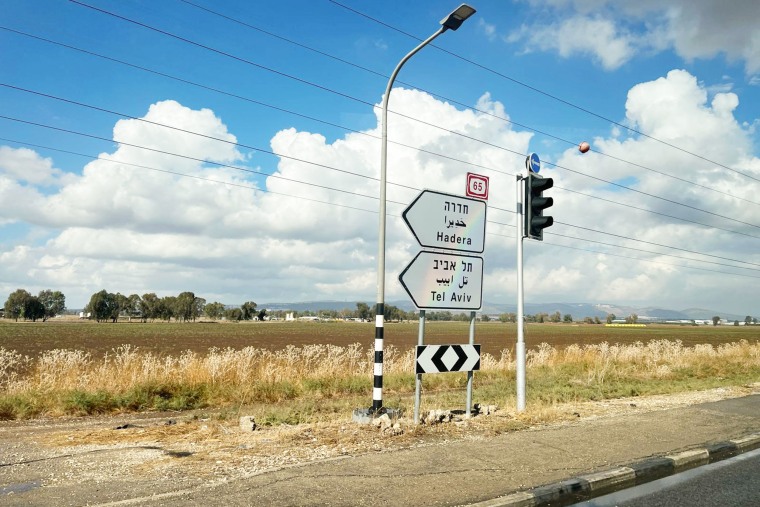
(535, 204)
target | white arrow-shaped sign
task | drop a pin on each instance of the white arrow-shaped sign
(447, 358)
(447, 221)
(444, 281)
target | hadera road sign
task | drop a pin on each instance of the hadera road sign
(451, 222)
(447, 358)
(444, 281)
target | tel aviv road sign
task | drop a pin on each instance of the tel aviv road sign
(444, 281)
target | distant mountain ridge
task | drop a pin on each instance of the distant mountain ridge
(578, 310)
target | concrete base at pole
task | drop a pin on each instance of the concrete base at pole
(368, 415)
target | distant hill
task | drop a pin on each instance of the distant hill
(578, 310)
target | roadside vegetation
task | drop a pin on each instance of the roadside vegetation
(313, 382)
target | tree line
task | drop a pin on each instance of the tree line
(184, 307)
(21, 304)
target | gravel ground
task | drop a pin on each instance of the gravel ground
(186, 449)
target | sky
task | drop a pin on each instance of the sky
(232, 149)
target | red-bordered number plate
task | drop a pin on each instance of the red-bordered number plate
(477, 186)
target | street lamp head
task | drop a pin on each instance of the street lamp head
(456, 18)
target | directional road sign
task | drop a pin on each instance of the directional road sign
(447, 358)
(444, 281)
(447, 221)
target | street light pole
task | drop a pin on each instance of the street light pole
(452, 21)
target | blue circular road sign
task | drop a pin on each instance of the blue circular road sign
(533, 163)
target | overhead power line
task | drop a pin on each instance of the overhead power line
(654, 244)
(247, 99)
(366, 196)
(547, 94)
(300, 80)
(263, 104)
(195, 176)
(459, 103)
(124, 115)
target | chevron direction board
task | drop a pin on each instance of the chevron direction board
(444, 281)
(447, 221)
(447, 358)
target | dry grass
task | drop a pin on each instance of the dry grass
(314, 382)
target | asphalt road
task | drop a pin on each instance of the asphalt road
(730, 482)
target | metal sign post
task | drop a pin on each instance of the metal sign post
(445, 280)
(469, 372)
(520, 346)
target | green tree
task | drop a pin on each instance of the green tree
(33, 309)
(214, 310)
(507, 317)
(14, 305)
(248, 310)
(149, 307)
(54, 303)
(747, 320)
(133, 307)
(555, 317)
(485, 318)
(262, 314)
(122, 305)
(103, 306)
(185, 307)
(567, 318)
(716, 320)
(167, 308)
(610, 318)
(235, 314)
(362, 311)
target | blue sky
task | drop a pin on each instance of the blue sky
(684, 75)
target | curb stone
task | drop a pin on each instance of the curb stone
(585, 487)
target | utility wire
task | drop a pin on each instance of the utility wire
(657, 262)
(654, 244)
(362, 195)
(244, 169)
(631, 206)
(227, 183)
(367, 103)
(671, 201)
(226, 141)
(546, 94)
(372, 105)
(649, 261)
(247, 99)
(263, 104)
(459, 103)
(116, 113)
(211, 180)
(239, 185)
(661, 254)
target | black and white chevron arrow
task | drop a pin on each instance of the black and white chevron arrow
(447, 358)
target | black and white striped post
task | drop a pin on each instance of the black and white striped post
(377, 385)
(452, 21)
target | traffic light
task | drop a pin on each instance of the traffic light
(535, 204)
